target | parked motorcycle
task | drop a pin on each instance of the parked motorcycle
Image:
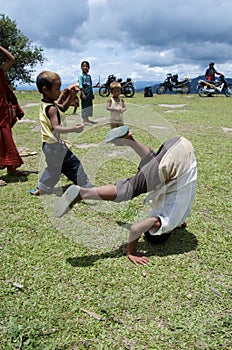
(209, 88)
(127, 89)
(171, 83)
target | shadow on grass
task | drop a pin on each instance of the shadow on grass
(181, 241)
(18, 178)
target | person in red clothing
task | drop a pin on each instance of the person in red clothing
(210, 72)
(10, 112)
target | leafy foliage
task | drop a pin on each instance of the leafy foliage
(26, 55)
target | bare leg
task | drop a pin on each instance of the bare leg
(75, 194)
(142, 150)
(107, 193)
(86, 120)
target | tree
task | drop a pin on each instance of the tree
(26, 55)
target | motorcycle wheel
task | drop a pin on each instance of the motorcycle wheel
(129, 91)
(201, 92)
(228, 91)
(104, 91)
(185, 89)
(161, 89)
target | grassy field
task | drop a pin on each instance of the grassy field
(68, 285)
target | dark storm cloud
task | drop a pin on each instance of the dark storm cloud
(52, 23)
(192, 30)
(133, 37)
(153, 25)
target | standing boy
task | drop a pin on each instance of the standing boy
(58, 156)
(87, 96)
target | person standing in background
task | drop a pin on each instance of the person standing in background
(87, 96)
(116, 106)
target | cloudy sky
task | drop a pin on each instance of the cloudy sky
(141, 39)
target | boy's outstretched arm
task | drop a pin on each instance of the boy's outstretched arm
(135, 233)
(62, 129)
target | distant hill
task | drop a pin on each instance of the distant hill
(140, 85)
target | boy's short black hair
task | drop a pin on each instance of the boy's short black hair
(46, 78)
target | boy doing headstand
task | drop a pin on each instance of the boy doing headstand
(170, 177)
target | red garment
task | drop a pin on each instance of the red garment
(10, 111)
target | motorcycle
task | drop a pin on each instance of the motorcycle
(219, 86)
(171, 83)
(127, 87)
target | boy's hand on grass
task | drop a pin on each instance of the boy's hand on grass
(138, 258)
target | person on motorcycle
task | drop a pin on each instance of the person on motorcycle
(175, 82)
(210, 72)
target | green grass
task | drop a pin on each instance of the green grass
(58, 293)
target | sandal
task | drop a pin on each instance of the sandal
(35, 192)
(116, 133)
(3, 183)
(27, 153)
(64, 204)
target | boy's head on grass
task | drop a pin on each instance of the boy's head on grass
(48, 84)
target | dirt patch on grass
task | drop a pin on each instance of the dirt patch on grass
(32, 104)
(27, 121)
(227, 130)
(87, 145)
(172, 106)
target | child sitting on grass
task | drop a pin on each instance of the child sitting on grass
(59, 158)
(170, 177)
